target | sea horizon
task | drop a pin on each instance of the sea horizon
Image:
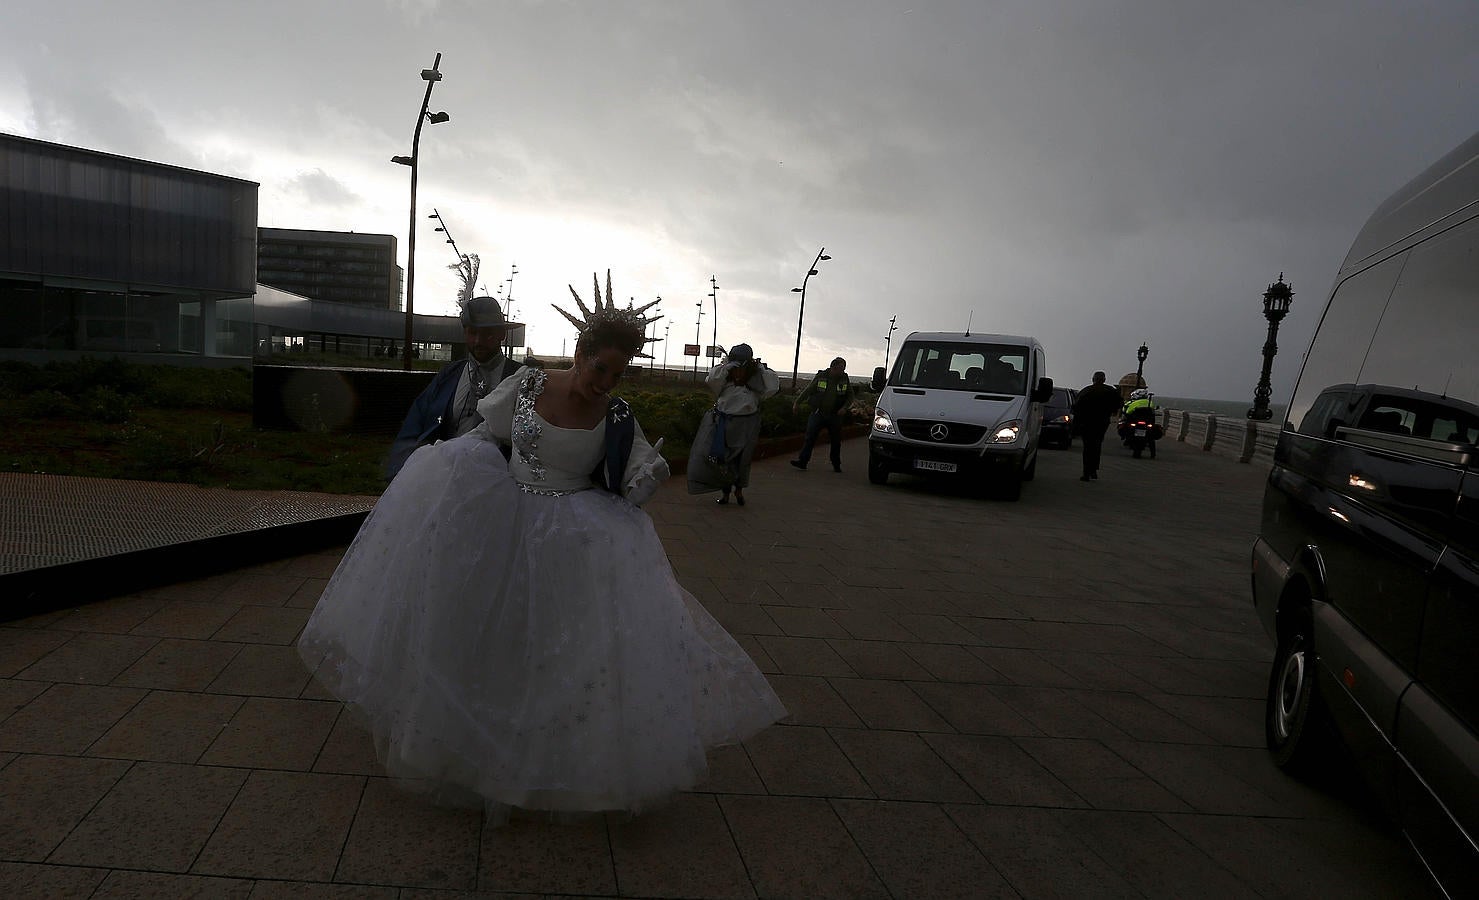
(1236, 409)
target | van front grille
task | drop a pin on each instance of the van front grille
(955, 432)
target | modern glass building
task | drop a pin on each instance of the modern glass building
(107, 255)
(103, 253)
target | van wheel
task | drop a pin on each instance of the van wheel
(877, 470)
(1296, 726)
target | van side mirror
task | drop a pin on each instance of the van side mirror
(879, 380)
(1044, 391)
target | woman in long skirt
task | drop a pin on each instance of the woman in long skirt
(725, 445)
(512, 631)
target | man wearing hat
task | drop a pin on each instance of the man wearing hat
(448, 407)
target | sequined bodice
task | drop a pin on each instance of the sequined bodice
(547, 457)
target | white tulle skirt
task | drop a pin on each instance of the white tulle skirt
(530, 650)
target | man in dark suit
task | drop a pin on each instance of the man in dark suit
(448, 406)
(1095, 406)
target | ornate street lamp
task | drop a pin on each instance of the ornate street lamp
(1140, 356)
(1276, 302)
(431, 77)
(800, 316)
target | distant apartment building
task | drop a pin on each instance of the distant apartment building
(341, 266)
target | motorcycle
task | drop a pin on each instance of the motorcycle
(1139, 432)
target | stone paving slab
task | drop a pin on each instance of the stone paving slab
(984, 702)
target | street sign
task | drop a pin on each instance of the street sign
(690, 349)
(715, 351)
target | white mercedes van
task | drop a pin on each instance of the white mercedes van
(963, 405)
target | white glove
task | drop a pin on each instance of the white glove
(649, 477)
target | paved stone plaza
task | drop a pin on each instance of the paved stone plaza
(1060, 697)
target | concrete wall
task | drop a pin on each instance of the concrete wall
(1241, 439)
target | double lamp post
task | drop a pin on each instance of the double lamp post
(431, 77)
(801, 316)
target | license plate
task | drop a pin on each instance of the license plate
(933, 466)
(1140, 432)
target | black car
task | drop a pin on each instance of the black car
(1366, 568)
(1057, 419)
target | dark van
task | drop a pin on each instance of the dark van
(1366, 569)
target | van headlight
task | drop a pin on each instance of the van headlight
(1007, 432)
(882, 421)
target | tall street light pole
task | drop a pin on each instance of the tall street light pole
(666, 330)
(698, 331)
(1140, 356)
(653, 319)
(442, 227)
(887, 339)
(796, 362)
(431, 77)
(714, 296)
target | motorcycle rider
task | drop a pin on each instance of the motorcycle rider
(1140, 408)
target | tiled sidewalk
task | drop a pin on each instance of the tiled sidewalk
(1054, 698)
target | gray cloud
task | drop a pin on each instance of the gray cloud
(319, 187)
(1094, 174)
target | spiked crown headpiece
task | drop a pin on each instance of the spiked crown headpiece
(607, 311)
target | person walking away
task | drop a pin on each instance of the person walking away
(448, 407)
(1095, 406)
(725, 445)
(829, 394)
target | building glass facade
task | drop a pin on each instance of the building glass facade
(101, 253)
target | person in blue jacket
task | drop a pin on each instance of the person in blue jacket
(448, 407)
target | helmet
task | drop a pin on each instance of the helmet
(1140, 394)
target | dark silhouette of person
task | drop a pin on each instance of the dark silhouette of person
(1095, 406)
(829, 394)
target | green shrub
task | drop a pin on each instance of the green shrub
(48, 404)
(105, 404)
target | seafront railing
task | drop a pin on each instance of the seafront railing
(1244, 440)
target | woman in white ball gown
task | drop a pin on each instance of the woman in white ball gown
(512, 630)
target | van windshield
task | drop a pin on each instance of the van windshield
(962, 366)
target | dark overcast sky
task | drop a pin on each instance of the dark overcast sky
(1094, 174)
